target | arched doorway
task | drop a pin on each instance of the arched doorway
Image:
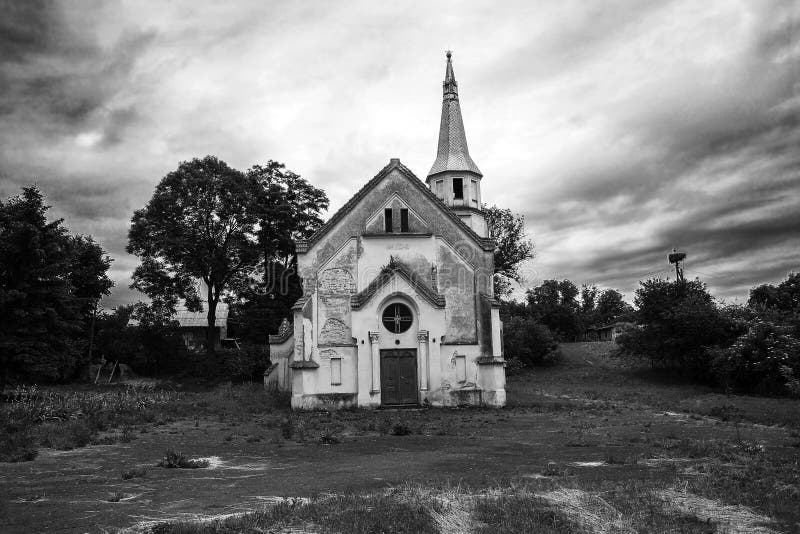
(399, 319)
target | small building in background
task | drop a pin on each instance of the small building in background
(607, 332)
(193, 325)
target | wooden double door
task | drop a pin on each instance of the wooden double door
(399, 376)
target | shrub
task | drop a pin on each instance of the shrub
(66, 435)
(133, 472)
(400, 429)
(514, 365)
(529, 342)
(764, 360)
(17, 447)
(175, 459)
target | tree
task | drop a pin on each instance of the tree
(783, 297)
(554, 303)
(611, 307)
(290, 210)
(530, 342)
(48, 280)
(200, 224)
(680, 322)
(511, 246)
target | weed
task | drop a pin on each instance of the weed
(133, 472)
(115, 497)
(552, 469)
(329, 438)
(611, 459)
(65, 435)
(17, 447)
(127, 434)
(287, 428)
(400, 429)
(176, 459)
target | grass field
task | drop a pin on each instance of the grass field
(588, 445)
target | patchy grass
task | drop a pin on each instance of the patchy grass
(63, 419)
(587, 445)
(356, 514)
(520, 512)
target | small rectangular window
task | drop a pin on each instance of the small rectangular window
(458, 188)
(403, 220)
(336, 371)
(474, 191)
(387, 219)
(461, 368)
(439, 189)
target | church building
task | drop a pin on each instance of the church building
(398, 305)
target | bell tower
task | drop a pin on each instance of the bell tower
(454, 177)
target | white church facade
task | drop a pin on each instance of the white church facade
(398, 305)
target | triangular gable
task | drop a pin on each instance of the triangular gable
(484, 242)
(395, 267)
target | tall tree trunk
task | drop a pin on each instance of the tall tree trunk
(211, 330)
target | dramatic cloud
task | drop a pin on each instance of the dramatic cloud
(620, 129)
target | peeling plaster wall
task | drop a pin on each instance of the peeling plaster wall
(457, 283)
(336, 283)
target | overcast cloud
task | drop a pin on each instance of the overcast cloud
(620, 129)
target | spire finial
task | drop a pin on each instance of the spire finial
(450, 86)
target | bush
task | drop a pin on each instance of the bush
(17, 447)
(529, 342)
(178, 460)
(514, 366)
(764, 360)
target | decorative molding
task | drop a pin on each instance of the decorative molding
(374, 337)
(422, 335)
(285, 331)
(303, 246)
(304, 364)
(395, 266)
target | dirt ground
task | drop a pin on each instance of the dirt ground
(583, 418)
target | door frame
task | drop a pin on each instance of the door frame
(416, 374)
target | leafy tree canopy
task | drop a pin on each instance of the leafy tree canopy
(207, 221)
(783, 297)
(49, 280)
(611, 307)
(511, 246)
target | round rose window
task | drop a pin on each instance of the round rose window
(397, 318)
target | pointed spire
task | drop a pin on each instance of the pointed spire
(453, 154)
(449, 85)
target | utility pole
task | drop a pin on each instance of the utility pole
(676, 258)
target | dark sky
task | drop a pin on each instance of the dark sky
(619, 129)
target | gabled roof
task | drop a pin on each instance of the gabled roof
(396, 267)
(189, 319)
(453, 153)
(303, 246)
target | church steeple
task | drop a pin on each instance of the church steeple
(453, 153)
(454, 177)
